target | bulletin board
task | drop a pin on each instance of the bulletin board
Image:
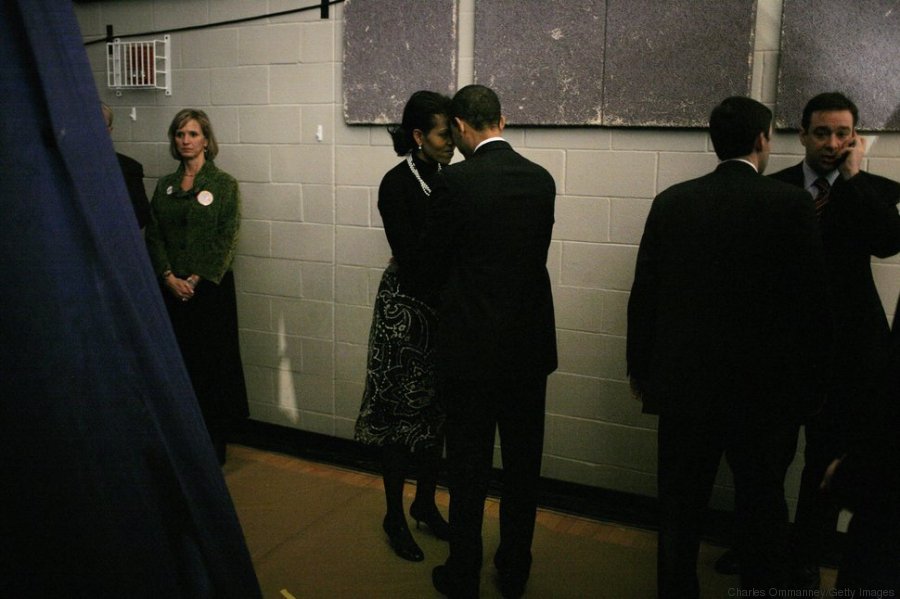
(621, 63)
(669, 63)
(544, 58)
(393, 48)
(849, 47)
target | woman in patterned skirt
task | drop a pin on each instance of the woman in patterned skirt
(399, 412)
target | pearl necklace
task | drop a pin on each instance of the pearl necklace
(415, 171)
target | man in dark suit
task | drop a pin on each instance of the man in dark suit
(133, 173)
(485, 244)
(858, 219)
(728, 337)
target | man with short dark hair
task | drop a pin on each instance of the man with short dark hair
(728, 338)
(485, 244)
(858, 219)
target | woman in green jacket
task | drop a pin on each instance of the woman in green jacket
(191, 237)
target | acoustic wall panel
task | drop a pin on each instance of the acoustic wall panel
(850, 47)
(669, 62)
(544, 58)
(393, 48)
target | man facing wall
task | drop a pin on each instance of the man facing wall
(728, 339)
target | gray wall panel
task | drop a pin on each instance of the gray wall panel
(544, 58)
(393, 48)
(851, 47)
(668, 63)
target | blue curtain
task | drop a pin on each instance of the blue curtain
(110, 486)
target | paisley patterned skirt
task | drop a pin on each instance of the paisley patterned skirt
(399, 406)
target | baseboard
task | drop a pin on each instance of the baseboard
(573, 498)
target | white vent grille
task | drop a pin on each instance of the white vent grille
(138, 65)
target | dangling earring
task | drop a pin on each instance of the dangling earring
(420, 147)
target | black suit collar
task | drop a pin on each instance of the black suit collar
(500, 144)
(735, 166)
(792, 175)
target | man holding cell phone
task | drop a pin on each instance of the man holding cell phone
(858, 219)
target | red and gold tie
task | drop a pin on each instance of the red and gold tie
(821, 198)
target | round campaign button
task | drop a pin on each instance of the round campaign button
(205, 198)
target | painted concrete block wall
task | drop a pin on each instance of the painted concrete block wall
(312, 248)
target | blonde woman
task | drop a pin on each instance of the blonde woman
(195, 216)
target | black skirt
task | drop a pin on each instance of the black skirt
(399, 405)
(206, 328)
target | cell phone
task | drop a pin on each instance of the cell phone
(845, 153)
(843, 157)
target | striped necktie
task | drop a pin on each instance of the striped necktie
(824, 190)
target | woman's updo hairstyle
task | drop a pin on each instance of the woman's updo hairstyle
(418, 113)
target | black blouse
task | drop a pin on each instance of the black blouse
(403, 206)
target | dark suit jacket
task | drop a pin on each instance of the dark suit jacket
(485, 246)
(859, 221)
(133, 173)
(727, 309)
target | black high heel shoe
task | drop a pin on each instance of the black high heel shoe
(401, 539)
(431, 517)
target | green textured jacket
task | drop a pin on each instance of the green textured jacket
(194, 231)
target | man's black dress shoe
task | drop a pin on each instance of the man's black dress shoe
(440, 578)
(806, 578)
(446, 584)
(510, 587)
(728, 563)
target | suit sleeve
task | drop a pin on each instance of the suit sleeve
(877, 225)
(642, 305)
(134, 181)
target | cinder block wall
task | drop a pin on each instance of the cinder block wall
(312, 248)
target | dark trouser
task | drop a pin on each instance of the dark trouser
(759, 451)
(871, 554)
(816, 516)
(474, 411)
